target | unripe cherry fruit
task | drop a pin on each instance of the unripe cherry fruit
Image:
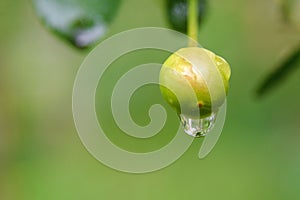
(199, 70)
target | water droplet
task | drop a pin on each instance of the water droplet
(198, 127)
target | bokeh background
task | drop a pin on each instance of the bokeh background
(41, 156)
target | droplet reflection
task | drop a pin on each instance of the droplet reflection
(198, 127)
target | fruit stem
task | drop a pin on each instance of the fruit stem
(192, 22)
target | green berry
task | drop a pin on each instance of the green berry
(178, 76)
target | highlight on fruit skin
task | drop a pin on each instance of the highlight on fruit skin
(202, 71)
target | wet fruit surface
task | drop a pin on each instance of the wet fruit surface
(201, 70)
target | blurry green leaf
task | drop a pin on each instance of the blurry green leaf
(281, 72)
(177, 13)
(81, 22)
(285, 7)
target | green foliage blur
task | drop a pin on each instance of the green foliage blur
(41, 156)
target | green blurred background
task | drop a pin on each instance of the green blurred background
(41, 156)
